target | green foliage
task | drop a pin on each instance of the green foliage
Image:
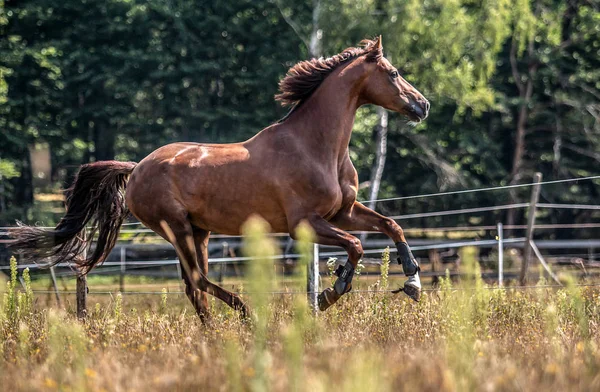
(8, 169)
(17, 305)
(306, 237)
(524, 22)
(10, 304)
(153, 72)
(471, 37)
(27, 304)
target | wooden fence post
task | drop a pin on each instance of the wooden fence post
(535, 195)
(81, 292)
(436, 266)
(81, 296)
(179, 275)
(538, 254)
(500, 255)
(312, 284)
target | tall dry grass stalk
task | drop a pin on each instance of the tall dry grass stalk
(261, 278)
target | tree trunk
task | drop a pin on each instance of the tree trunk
(316, 47)
(380, 155)
(525, 94)
(24, 184)
(557, 146)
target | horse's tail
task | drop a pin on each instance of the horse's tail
(97, 197)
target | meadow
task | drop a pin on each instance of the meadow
(461, 336)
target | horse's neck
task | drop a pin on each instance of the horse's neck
(324, 122)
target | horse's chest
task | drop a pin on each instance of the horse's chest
(335, 207)
(328, 199)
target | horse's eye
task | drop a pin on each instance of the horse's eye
(394, 74)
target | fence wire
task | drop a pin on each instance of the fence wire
(428, 195)
(494, 188)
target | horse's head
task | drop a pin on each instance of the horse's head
(385, 87)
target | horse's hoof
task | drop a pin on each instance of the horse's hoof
(325, 300)
(413, 292)
(244, 311)
(204, 316)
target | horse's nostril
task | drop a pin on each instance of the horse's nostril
(417, 110)
(427, 105)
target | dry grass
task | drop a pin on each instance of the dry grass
(453, 340)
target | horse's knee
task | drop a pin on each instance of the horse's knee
(390, 223)
(392, 226)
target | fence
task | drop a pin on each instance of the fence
(531, 247)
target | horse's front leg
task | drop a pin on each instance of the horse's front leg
(360, 218)
(328, 234)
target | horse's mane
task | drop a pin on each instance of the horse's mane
(303, 78)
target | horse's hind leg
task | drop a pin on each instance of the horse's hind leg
(180, 234)
(201, 237)
(201, 245)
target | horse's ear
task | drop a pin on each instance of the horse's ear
(374, 49)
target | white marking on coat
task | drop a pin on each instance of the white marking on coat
(197, 162)
(179, 153)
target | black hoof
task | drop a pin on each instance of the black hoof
(412, 291)
(325, 299)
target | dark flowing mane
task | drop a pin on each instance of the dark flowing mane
(303, 78)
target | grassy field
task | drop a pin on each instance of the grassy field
(466, 336)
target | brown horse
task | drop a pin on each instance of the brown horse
(295, 170)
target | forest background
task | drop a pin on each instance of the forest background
(514, 88)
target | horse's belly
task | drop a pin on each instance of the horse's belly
(222, 200)
(228, 218)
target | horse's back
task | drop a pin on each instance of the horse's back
(209, 182)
